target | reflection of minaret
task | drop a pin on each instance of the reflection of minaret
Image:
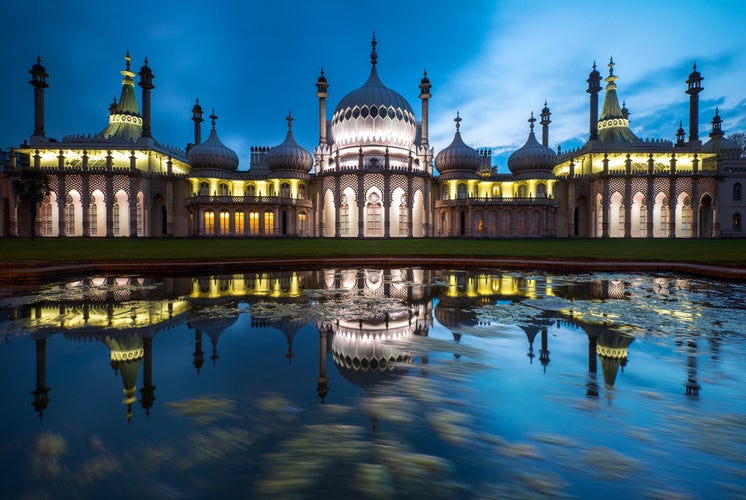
(457, 339)
(544, 352)
(214, 336)
(199, 354)
(612, 349)
(41, 393)
(592, 389)
(126, 356)
(531, 332)
(322, 387)
(692, 387)
(148, 390)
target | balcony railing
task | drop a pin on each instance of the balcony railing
(248, 200)
(495, 201)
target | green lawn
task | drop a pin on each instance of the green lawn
(100, 249)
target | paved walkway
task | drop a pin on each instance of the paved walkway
(39, 270)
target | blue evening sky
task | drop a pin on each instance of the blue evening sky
(494, 61)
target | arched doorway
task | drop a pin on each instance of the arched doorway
(705, 217)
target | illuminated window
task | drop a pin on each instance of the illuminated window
(664, 217)
(204, 189)
(139, 218)
(374, 215)
(225, 222)
(115, 223)
(737, 191)
(45, 217)
(403, 216)
(285, 190)
(541, 190)
(302, 192)
(461, 190)
(522, 191)
(251, 190)
(686, 216)
(269, 222)
(223, 189)
(253, 222)
(344, 217)
(93, 219)
(495, 190)
(302, 224)
(209, 221)
(238, 222)
(737, 222)
(643, 219)
(270, 190)
(69, 216)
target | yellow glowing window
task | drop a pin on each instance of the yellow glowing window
(254, 223)
(225, 224)
(238, 222)
(269, 222)
(209, 220)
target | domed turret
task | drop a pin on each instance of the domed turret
(532, 155)
(457, 156)
(289, 156)
(212, 154)
(373, 114)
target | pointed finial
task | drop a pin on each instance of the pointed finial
(531, 121)
(146, 60)
(458, 121)
(694, 68)
(128, 59)
(594, 65)
(213, 118)
(373, 54)
(38, 59)
(611, 66)
(290, 121)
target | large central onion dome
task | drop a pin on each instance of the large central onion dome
(212, 154)
(458, 156)
(532, 156)
(373, 114)
(289, 156)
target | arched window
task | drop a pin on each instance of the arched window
(403, 216)
(541, 190)
(93, 219)
(238, 222)
(270, 190)
(225, 222)
(374, 212)
(461, 191)
(284, 190)
(69, 216)
(522, 191)
(223, 189)
(495, 190)
(344, 216)
(302, 223)
(737, 191)
(302, 192)
(251, 190)
(253, 222)
(45, 217)
(204, 189)
(644, 217)
(737, 222)
(139, 217)
(269, 222)
(209, 221)
(444, 192)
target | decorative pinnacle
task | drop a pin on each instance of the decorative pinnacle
(290, 121)
(373, 54)
(128, 59)
(531, 121)
(611, 66)
(458, 121)
(213, 117)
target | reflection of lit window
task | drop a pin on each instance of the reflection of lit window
(253, 222)
(238, 222)
(209, 220)
(225, 222)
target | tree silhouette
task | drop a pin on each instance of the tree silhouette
(31, 187)
(740, 139)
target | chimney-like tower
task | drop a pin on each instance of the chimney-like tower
(594, 87)
(321, 88)
(197, 119)
(694, 87)
(545, 121)
(425, 95)
(146, 83)
(39, 81)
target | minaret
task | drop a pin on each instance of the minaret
(198, 356)
(197, 119)
(680, 135)
(717, 130)
(322, 387)
(425, 96)
(146, 83)
(625, 111)
(545, 121)
(39, 81)
(321, 93)
(594, 87)
(694, 87)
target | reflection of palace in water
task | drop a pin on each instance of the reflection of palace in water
(367, 320)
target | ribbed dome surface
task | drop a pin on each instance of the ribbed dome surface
(289, 156)
(532, 156)
(212, 154)
(457, 156)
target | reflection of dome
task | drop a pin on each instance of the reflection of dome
(212, 153)
(532, 155)
(611, 348)
(289, 155)
(373, 114)
(126, 357)
(458, 156)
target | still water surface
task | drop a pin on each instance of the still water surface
(374, 383)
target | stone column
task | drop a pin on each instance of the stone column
(672, 198)
(337, 204)
(360, 203)
(86, 196)
(605, 199)
(410, 205)
(61, 203)
(109, 196)
(695, 196)
(387, 202)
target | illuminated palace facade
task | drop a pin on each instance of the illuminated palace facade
(373, 174)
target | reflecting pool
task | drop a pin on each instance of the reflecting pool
(374, 383)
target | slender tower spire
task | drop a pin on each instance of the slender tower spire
(694, 87)
(545, 121)
(197, 119)
(321, 92)
(39, 81)
(425, 96)
(373, 53)
(594, 87)
(146, 83)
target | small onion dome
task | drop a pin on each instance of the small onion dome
(458, 156)
(289, 155)
(532, 155)
(212, 154)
